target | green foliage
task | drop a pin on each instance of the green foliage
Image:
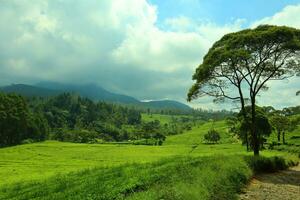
(17, 123)
(245, 61)
(212, 136)
(281, 124)
(88, 121)
(77, 136)
(263, 164)
(294, 149)
(228, 55)
(242, 128)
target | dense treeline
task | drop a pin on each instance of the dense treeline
(197, 113)
(76, 119)
(18, 123)
(69, 117)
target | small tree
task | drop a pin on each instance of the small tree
(290, 126)
(280, 124)
(212, 136)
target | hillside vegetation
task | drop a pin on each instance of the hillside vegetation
(52, 161)
(123, 162)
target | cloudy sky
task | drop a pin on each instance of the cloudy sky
(148, 49)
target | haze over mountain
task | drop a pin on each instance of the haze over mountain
(148, 49)
(91, 91)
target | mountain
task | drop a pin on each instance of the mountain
(29, 90)
(91, 91)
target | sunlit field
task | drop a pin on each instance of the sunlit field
(40, 161)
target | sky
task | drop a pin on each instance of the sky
(148, 49)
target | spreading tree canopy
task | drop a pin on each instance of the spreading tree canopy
(239, 66)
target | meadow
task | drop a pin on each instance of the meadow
(42, 160)
(184, 167)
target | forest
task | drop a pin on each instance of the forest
(71, 118)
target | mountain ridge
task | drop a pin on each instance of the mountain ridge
(91, 91)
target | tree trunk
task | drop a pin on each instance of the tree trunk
(255, 140)
(244, 115)
(283, 137)
(278, 136)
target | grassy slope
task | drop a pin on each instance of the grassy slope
(22, 164)
(180, 178)
(195, 136)
(162, 118)
(41, 160)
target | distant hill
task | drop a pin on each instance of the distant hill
(91, 91)
(166, 104)
(28, 90)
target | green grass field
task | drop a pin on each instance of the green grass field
(151, 117)
(162, 118)
(65, 169)
(41, 160)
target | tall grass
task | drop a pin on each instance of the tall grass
(176, 178)
(200, 178)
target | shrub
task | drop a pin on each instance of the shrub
(212, 136)
(27, 141)
(262, 164)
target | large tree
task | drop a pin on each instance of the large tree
(239, 65)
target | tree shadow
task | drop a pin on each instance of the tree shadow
(290, 177)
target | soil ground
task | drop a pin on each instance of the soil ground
(283, 185)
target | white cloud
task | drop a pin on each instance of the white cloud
(181, 23)
(289, 16)
(74, 41)
(114, 43)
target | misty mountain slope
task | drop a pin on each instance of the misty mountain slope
(28, 90)
(91, 91)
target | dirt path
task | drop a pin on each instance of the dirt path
(284, 185)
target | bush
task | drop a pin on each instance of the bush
(261, 164)
(27, 141)
(150, 141)
(212, 136)
(77, 136)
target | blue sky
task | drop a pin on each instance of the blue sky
(220, 11)
(145, 49)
